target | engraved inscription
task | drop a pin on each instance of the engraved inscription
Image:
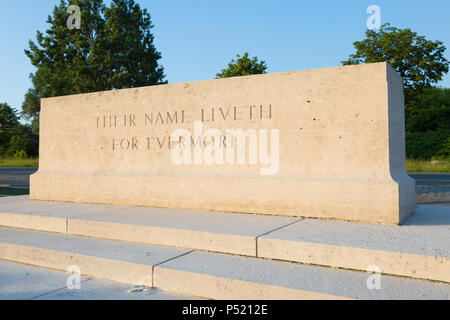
(173, 118)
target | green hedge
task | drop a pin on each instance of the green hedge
(23, 145)
(428, 145)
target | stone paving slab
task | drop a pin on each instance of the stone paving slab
(418, 248)
(232, 277)
(213, 231)
(113, 260)
(204, 274)
(423, 233)
(25, 282)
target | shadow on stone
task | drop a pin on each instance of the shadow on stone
(429, 216)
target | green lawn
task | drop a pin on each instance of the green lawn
(31, 163)
(427, 166)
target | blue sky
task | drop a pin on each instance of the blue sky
(198, 38)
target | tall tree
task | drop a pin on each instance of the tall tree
(8, 118)
(9, 122)
(419, 61)
(113, 49)
(243, 66)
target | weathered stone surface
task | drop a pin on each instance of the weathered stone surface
(340, 134)
(418, 248)
(25, 282)
(204, 274)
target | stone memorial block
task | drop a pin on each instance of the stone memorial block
(326, 143)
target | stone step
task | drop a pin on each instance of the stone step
(204, 274)
(417, 249)
(24, 282)
(212, 231)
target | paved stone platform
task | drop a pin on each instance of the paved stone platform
(418, 248)
(203, 274)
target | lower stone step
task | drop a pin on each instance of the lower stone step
(419, 248)
(205, 274)
(24, 282)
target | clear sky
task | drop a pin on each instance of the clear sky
(197, 38)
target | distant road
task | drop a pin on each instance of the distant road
(15, 177)
(431, 182)
(432, 188)
(15, 170)
(431, 178)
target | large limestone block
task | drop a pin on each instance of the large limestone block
(326, 143)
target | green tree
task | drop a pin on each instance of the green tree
(243, 66)
(8, 117)
(9, 121)
(430, 110)
(428, 145)
(20, 154)
(19, 143)
(428, 125)
(419, 61)
(113, 49)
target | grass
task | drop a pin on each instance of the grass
(29, 163)
(13, 192)
(413, 165)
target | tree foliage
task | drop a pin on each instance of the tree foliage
(419, 61)
(113, 49)
(20, 144)
(243, 66)
(15, 136)
(8, 117)
(428, 124)
(9, 120)
(428, 145)
(430, 110)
